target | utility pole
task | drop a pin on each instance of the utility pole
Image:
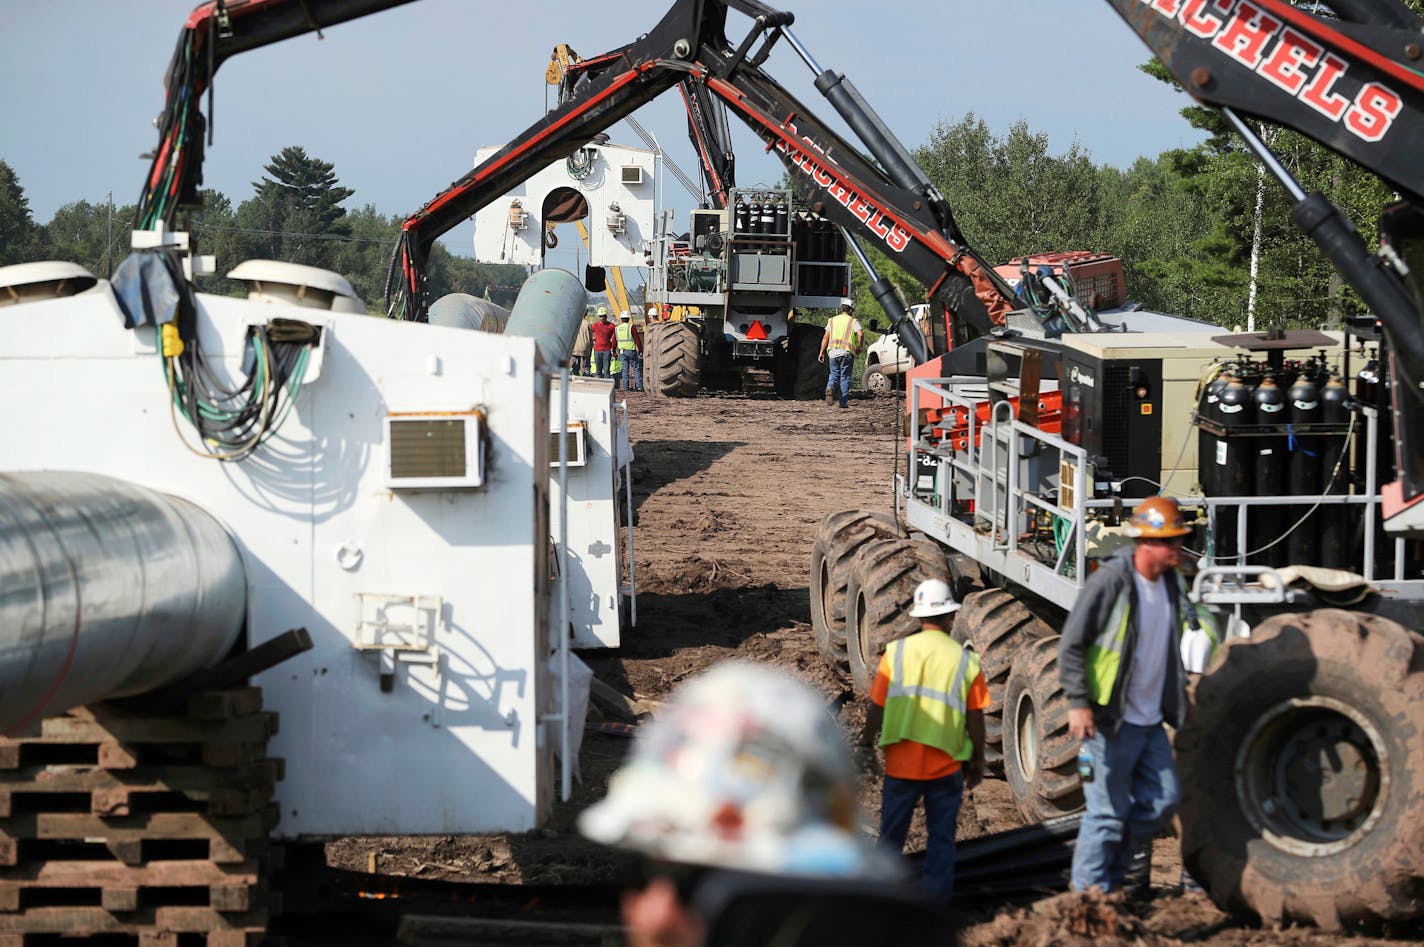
(109, 245)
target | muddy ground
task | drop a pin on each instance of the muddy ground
(729, 492)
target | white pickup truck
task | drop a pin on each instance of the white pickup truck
(886, 359)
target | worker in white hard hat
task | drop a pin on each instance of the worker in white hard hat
(744, 768)
(928, 711)
(840, 343)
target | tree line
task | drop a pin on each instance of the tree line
(1191, 225)
(294, 214)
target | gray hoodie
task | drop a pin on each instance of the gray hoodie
(1085, 622)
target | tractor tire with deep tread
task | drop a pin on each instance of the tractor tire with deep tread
(812, 375)
(838, 539)
(675, 370)
(996, 625)
(879, 593)
(1040, 755)
(1302, 773)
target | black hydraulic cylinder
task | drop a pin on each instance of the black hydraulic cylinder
(1381, 290)
(882, 143)
(905, 328)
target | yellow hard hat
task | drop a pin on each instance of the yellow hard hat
(1157, 517)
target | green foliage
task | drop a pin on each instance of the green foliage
(20, 238)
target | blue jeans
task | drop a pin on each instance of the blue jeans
(942, 798)
(841, 368)
(601, 361)
(632, 371)
(1133, 793)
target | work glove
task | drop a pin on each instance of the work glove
(1196, 649)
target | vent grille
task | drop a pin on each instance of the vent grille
(428, 447)
(1116, 384)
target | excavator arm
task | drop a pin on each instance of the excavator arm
(886, 199)
(1352, 82)
(214, 31)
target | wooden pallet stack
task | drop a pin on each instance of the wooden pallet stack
(145, 828)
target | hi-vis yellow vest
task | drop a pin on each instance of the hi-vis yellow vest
(624, 334)
(842, 330)
(1104, 657)
(918, 707)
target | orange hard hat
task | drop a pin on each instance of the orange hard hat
(1157, 517)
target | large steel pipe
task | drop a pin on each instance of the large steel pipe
(548, 310)
(107, 589)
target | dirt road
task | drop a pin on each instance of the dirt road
(728, 493)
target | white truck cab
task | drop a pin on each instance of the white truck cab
(886, 358)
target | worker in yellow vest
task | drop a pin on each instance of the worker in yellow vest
(1127, 647)
(840, 343)
(928, 709)
(629, 352)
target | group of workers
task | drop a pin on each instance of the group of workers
(746, 769)
(605, 350)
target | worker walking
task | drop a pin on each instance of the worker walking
(630, 352)
(1123, 661)
(929, 698)
(603, 331)
(840, 343)
(583, 346)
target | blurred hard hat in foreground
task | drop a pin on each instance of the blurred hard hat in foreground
(743, 768)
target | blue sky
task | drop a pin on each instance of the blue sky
(400, 100)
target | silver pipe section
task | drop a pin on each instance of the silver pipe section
(107, 589)
(463, 311)
(548, 310)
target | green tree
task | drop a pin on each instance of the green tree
(295, 213)
(21, 239)
(96, 236)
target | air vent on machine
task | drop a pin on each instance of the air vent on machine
(437, 451)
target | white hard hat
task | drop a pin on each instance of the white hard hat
(847, 303)
(933, 597)
(624, 315)
(744, 767)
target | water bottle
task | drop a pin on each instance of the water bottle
(1085, 763)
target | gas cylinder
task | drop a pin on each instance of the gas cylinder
(741, 216)
(768, 216)
(1336, 547)
(781, 217)
(1269, 476)
(1303, 475)
(1206, 441)
(754, 215)
(1233, 460)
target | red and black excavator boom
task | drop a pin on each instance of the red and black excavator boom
(885, 197)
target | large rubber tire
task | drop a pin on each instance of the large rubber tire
(1302, 772)
(812, 375)
(996, 626)
(838, 539)
(675, 370)
(881, 589)
(1040, 755)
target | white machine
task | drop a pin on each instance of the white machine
(402, 513)
(612, 188)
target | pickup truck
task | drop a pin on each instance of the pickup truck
(886, 358)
